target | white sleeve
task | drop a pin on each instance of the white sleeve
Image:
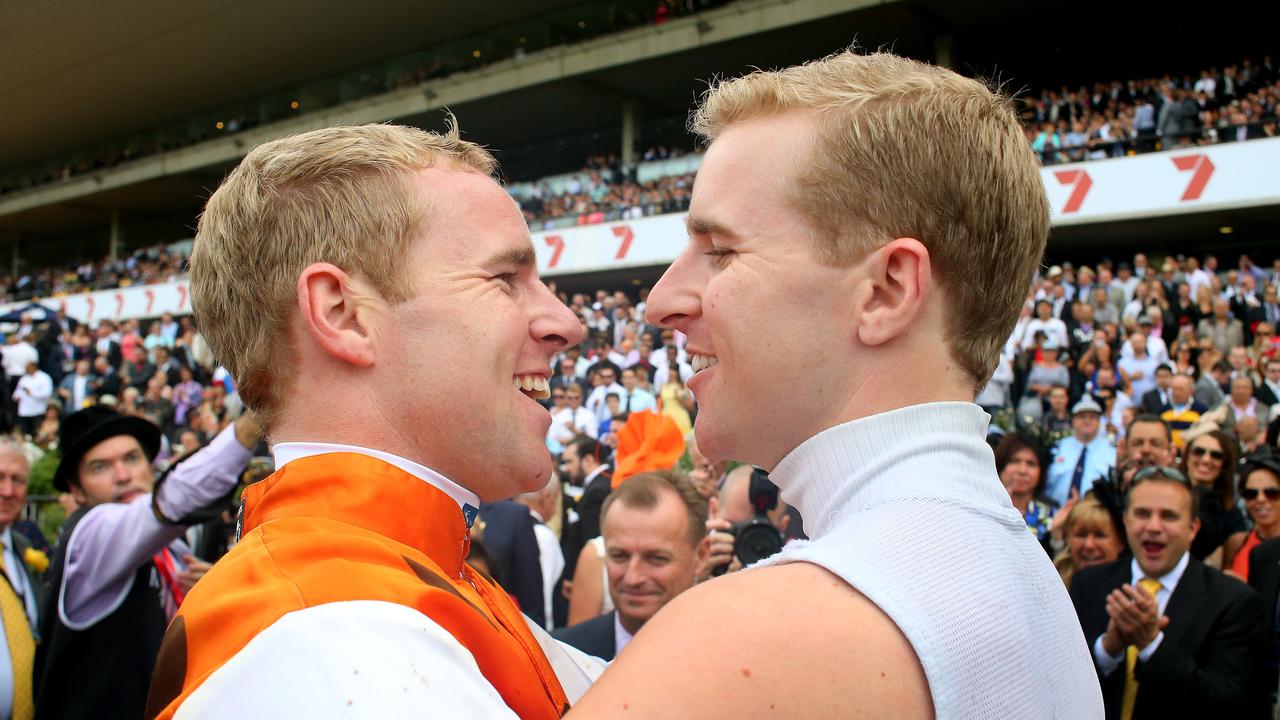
(358, 659)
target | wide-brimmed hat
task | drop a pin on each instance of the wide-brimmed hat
(84, 429)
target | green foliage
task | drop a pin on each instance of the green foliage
(41, 479)
(51, 518)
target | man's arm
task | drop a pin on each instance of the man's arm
(114, 539)
(713, 656)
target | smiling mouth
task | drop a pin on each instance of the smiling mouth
(703, 362)
(1152, 547)
(536, 387)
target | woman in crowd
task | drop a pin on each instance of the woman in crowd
(1046, 371)
(1264, 345)
(1092, 538)
(1261, 493)
(674, 398)
(47, 433)
(1021, 470)
(1204, 302)
(1183, 358)
(1209, 463)
(1100, 355)
(1185, 312)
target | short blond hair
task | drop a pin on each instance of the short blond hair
(341, 195)
(906, 149)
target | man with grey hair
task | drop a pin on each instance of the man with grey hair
(21, 587)
(897, 213)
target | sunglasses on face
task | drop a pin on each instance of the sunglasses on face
(1271, 493)
(1202, 451)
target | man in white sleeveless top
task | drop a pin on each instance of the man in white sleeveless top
(869, 224)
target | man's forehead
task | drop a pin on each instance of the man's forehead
(112, 446)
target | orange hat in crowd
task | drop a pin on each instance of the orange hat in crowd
(648, 441)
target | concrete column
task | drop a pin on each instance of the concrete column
(113, 243)
(944, 50)
(630, 126)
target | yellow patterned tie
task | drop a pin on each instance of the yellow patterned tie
(1131, 660)
(22, 647)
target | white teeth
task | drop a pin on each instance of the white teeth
(535, 386)
(702, 362)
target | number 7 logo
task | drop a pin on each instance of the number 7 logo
(1201, 168)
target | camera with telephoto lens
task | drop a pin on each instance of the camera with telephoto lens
(756, 538)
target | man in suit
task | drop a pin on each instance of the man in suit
(654, 526)
(1264, 574)
(1156, 401)
(1268, 391)
(76, 389)
(509, 538)
(106, 346)
(1169, 636)
(19, 592)
(585, 466)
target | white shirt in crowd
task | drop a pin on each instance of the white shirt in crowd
(33, 393)
(1146, 366)
(1054, 329)
(660, 375)
(1156, 348)
(16, 357)
(567, 422)
(597, 405)
(551, 560)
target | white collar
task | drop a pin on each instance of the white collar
(929, 450)
(620, 635)
(1169, 580)
(286, 452)
(594, 474)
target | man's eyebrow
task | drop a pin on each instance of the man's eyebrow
(705, 226)
(519, 257)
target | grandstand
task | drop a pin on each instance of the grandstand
(128, 116)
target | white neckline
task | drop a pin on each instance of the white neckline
(287, 452)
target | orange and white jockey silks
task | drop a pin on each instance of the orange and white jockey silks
(348, 592)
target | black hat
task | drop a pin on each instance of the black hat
(84, 429)
(1261, 460)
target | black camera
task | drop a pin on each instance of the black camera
(756, 538)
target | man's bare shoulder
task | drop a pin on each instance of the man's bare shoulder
(786, 640)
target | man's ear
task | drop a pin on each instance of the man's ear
(336, 309)
(892, 300)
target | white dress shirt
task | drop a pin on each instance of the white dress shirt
(1108, 663)
(551, 560)
(620, 635)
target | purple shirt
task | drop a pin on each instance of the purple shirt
(113, 540)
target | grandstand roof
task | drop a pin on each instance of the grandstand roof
(83, 71)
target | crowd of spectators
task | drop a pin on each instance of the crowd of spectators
(155, 264)
(158, 369)
(604, 191)
(1119, 118)
(1115, 370)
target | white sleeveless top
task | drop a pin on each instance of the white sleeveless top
(907, 507)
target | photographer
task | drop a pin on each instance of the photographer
(732, 508)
